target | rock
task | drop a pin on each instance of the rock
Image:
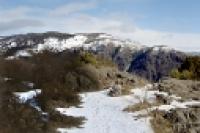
(185, 120)
(154, 65)
(163, 99)
(115, 90)
(186, 89)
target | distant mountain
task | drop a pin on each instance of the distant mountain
(58, 42)
(193, 53)
(150, 62)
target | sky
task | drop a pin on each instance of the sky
(174, 23)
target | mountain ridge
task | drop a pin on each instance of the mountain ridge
(129, 55)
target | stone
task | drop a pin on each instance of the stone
(115, 90)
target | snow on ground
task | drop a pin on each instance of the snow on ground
(7, 79)
(29, 97)
(23, 53)
(25, 96)
(57, 45)
(77, 41)
(10, 58)
(150, 95)
(105, 114)
(157, 48)
(175, 104)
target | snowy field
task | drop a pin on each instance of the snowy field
(105, 114)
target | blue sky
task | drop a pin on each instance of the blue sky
(151, 22)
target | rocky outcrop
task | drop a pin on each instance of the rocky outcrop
(155, 64)
(186, 89)
(184, 120)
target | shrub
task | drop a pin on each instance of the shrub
(175, 73)
(190, 69)
(88, 58)
(186, 75)
(160, 124)
(61, 76)
(17, 118)
(21, 118)
(57, 96)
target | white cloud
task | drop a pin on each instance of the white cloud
(181, 41)
(70, 18)
(18, 24)
(72, 8)
(16, 13)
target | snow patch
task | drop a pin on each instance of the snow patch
(25, 96)
(13, 44)
(162, 48)
(23, 53)
(175, 104)
(105, 36)
(80, 40)
(29, 97)
(57, 45)
(150, 96)
(10, 58)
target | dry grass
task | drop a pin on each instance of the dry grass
(160, 124)
(126, 89)
(139, 106)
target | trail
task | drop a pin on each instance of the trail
(105, 114)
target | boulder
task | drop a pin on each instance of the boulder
(115, 90)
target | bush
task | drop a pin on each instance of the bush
(60, 76)
(186, 75)
(21, 118)
(190, 69)
(175, 73)
(192, 64)
(57, 96)
(88, 58)
(17, 118)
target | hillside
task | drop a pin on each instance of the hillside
(57, 82)
(147, 62)
(32, 88)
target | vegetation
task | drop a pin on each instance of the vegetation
(184, 75)
(145, 105)
(160, 124)
(61, 76)
(190, 69)
(17, 118)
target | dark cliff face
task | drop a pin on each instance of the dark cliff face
(147, 63)
(121, 56)
(154, 65)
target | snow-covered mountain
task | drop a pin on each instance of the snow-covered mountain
(128, 55)
(58, 42)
